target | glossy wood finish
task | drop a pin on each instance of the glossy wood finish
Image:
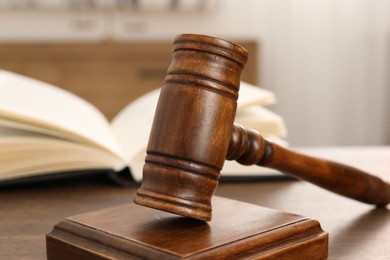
(356, 230)
(193, 120)
(248, 147)
(133, 232)
(193, 133)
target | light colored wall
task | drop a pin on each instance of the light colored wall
(328, 62)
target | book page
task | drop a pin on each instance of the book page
(133, 124)
(263, 120)
(132, 127)
(250, 95)
(27, 101)
(26, 153)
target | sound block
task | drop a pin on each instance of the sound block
(237, 230)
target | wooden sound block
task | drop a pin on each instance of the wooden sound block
(237, 230)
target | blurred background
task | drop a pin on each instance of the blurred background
(327, 61)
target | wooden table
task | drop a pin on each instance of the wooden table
(357, 231)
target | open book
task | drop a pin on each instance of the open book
(46, 130)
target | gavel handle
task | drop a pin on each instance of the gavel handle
(248, 147)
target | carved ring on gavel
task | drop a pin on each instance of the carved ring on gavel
(194, 132)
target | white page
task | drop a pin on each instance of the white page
(263, 120)
(22, 156)
(133, 124)
(26, 153)
(250, 95)
(29, 101)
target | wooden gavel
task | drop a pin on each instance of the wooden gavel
(194, 132)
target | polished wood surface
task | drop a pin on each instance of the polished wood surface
(239, 231)
(356, 230)
(192, 125)
(248, 147)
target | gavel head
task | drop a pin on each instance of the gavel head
(192, 126)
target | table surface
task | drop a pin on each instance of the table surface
(356, 230)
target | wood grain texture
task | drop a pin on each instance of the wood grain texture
(130, 231)
(356, 230)
(194, 117)
(248, 147)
